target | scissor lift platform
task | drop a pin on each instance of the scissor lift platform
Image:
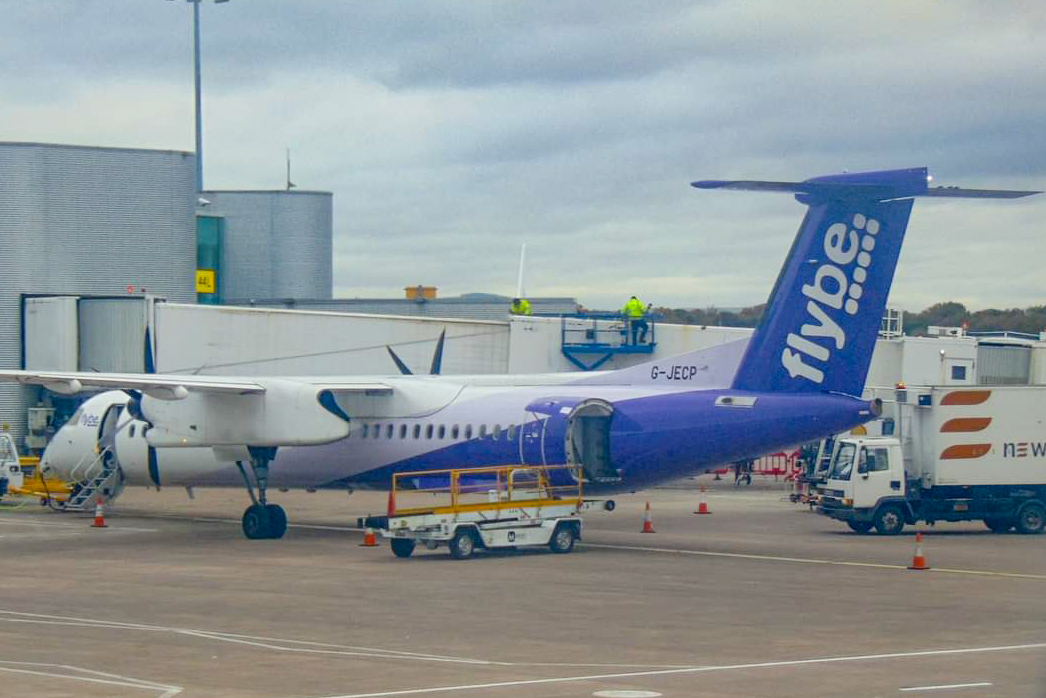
(497, 507)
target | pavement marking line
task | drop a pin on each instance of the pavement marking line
(694, 670)
(808, 561)
(166, 691)
(78, 527)
(263, 642)
(944, 688)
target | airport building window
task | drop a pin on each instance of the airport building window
(468, 431)
(417, 431)
(442, 431)
(428, 432)
(454, 432)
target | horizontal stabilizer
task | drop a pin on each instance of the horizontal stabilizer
(867, 186)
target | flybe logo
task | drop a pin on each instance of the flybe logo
(833, 291)
(1023, 449)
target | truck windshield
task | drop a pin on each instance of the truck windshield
(844, 462)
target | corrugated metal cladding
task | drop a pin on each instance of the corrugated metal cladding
(112, 335)
(1001, 364)
(278, 244)
(463, 308)
(85, 220)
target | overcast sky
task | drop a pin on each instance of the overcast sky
(451, 132)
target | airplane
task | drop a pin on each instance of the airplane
(798, 378)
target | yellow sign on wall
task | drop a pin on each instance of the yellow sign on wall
(205, 281)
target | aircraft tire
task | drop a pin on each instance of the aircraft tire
(462, 545)
(277, 520)
(402, 547)
(256, 522)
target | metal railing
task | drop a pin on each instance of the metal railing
(457, 490)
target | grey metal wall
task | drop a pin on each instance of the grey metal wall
(89, 220)
(278, 244)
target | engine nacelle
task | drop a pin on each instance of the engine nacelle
(288, 413)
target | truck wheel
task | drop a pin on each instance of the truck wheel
(860, 526)
(462, 545)
(889, 520)
(999, 525)
(1031, 518)
(562, 540)
(402, 547)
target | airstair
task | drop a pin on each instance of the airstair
(94, 478)
(496, 507)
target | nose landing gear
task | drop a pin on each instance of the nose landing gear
(261, 519)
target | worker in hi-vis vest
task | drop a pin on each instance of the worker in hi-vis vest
(636, 316)
(520, 306)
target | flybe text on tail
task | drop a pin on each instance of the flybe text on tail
(835, 289)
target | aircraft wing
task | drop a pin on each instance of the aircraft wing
(169, 386)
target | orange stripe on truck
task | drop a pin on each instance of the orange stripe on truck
(966, 424)
(966, 397)
(965, 451)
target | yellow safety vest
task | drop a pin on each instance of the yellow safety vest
(633, 309)
(521, 308)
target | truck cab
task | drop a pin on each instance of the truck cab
(866, 485)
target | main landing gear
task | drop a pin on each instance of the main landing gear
(261, 520)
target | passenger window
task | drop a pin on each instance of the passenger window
(511, 432)
(497, 432)
(442, 431)
(468, 431)
(417, 431)
(377, 431)
(482, 431)
(428, 432)
(366, 428)
(388, 431)
(131, 434)
(454, 432)
(403, 431)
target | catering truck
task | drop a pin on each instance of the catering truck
(956, 455)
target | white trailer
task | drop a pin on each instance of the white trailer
(472, 508)
(956, 455)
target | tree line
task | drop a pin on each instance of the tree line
(949, 314)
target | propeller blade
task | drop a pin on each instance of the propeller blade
(154, 467)
(437, 358)
(399, 362)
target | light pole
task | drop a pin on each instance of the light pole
(196, 67)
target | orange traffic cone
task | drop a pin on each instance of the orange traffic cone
(369, 540)
(390, 508)
(648, 524)
(918, 561)
(702, 505)
(99, 517)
